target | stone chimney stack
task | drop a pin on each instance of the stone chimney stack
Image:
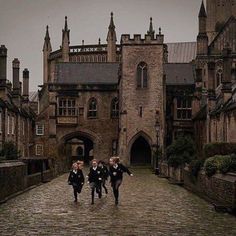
(3, 65)
(16, 76)
(26, 84)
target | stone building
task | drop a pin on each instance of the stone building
(137, 96)
(16, 116)
(215, 93)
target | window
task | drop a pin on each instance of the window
(141, 111)
(66, 107)
(142, 75)
(13, 125)
(39, 129)
(184, 108)
(219, 76)
(114, 147)
(92, 109)
(39, 150)
(115, 108)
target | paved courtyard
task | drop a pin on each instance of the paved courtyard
(148, 206)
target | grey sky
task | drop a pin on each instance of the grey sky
(23, 22)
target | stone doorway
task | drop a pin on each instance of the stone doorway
(140, 153)
(81, 148)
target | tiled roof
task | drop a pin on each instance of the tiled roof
(181, 52)
(87, 73)
(179, 73)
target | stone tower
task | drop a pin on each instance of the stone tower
(141, 96)
(111, 41)
(47, 49)
(218, 12)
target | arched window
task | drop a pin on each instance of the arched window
(114, 108)
(92, 108)
(219, 77)
(142, 75)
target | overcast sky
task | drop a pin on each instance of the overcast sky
(23, 23)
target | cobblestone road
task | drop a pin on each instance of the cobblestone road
(148, 206)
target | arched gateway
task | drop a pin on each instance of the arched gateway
(140, 151)
(79, 146)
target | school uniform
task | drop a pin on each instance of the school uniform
(76, 179)
(105, 174)
(95, 178)
(116, 176)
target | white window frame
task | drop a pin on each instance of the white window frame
(39, 152)
(39, 129)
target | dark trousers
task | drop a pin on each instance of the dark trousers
(77, 189)
(95, 186)
(115, 186)
(104, 185)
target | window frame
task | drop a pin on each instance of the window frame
(142, 75)
(90, 112)
(36, 149)
(66, 106)
(183, 108)
(37, 128)
(115, 105)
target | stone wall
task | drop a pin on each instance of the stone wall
(12, 178)
(219, 189)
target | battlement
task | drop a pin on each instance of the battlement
(137, 39)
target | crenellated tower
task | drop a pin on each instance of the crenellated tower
(141, 92)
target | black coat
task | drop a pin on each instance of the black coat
(76, 178)
(105, 172)
(117, 174)
(94, 175)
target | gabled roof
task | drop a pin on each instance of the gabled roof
(183, 52)
(179, 74)
(87, 73)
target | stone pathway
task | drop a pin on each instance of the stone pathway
(148, 206)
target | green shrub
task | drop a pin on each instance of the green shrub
(9, 151)
(222, 163)
(181, 151)
(210, 166)
(212, 149)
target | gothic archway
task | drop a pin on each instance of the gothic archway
(140, 153)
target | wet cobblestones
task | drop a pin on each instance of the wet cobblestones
(148, 206)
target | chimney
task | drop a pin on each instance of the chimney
(26, 84)
(16, 80)
(3, 65)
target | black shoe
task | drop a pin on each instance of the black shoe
(92, 203)
(100, 195)
(116, 202)
(75, 200)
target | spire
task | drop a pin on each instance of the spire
(111, 30)
(151, 31)
(99, 41)
(66, 31)
(202, 12)
(47, 43)
(66, 26)
(112, 25)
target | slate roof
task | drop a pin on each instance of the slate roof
(33, 96)
(183, 52)
(179, 73)
(87, 73)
